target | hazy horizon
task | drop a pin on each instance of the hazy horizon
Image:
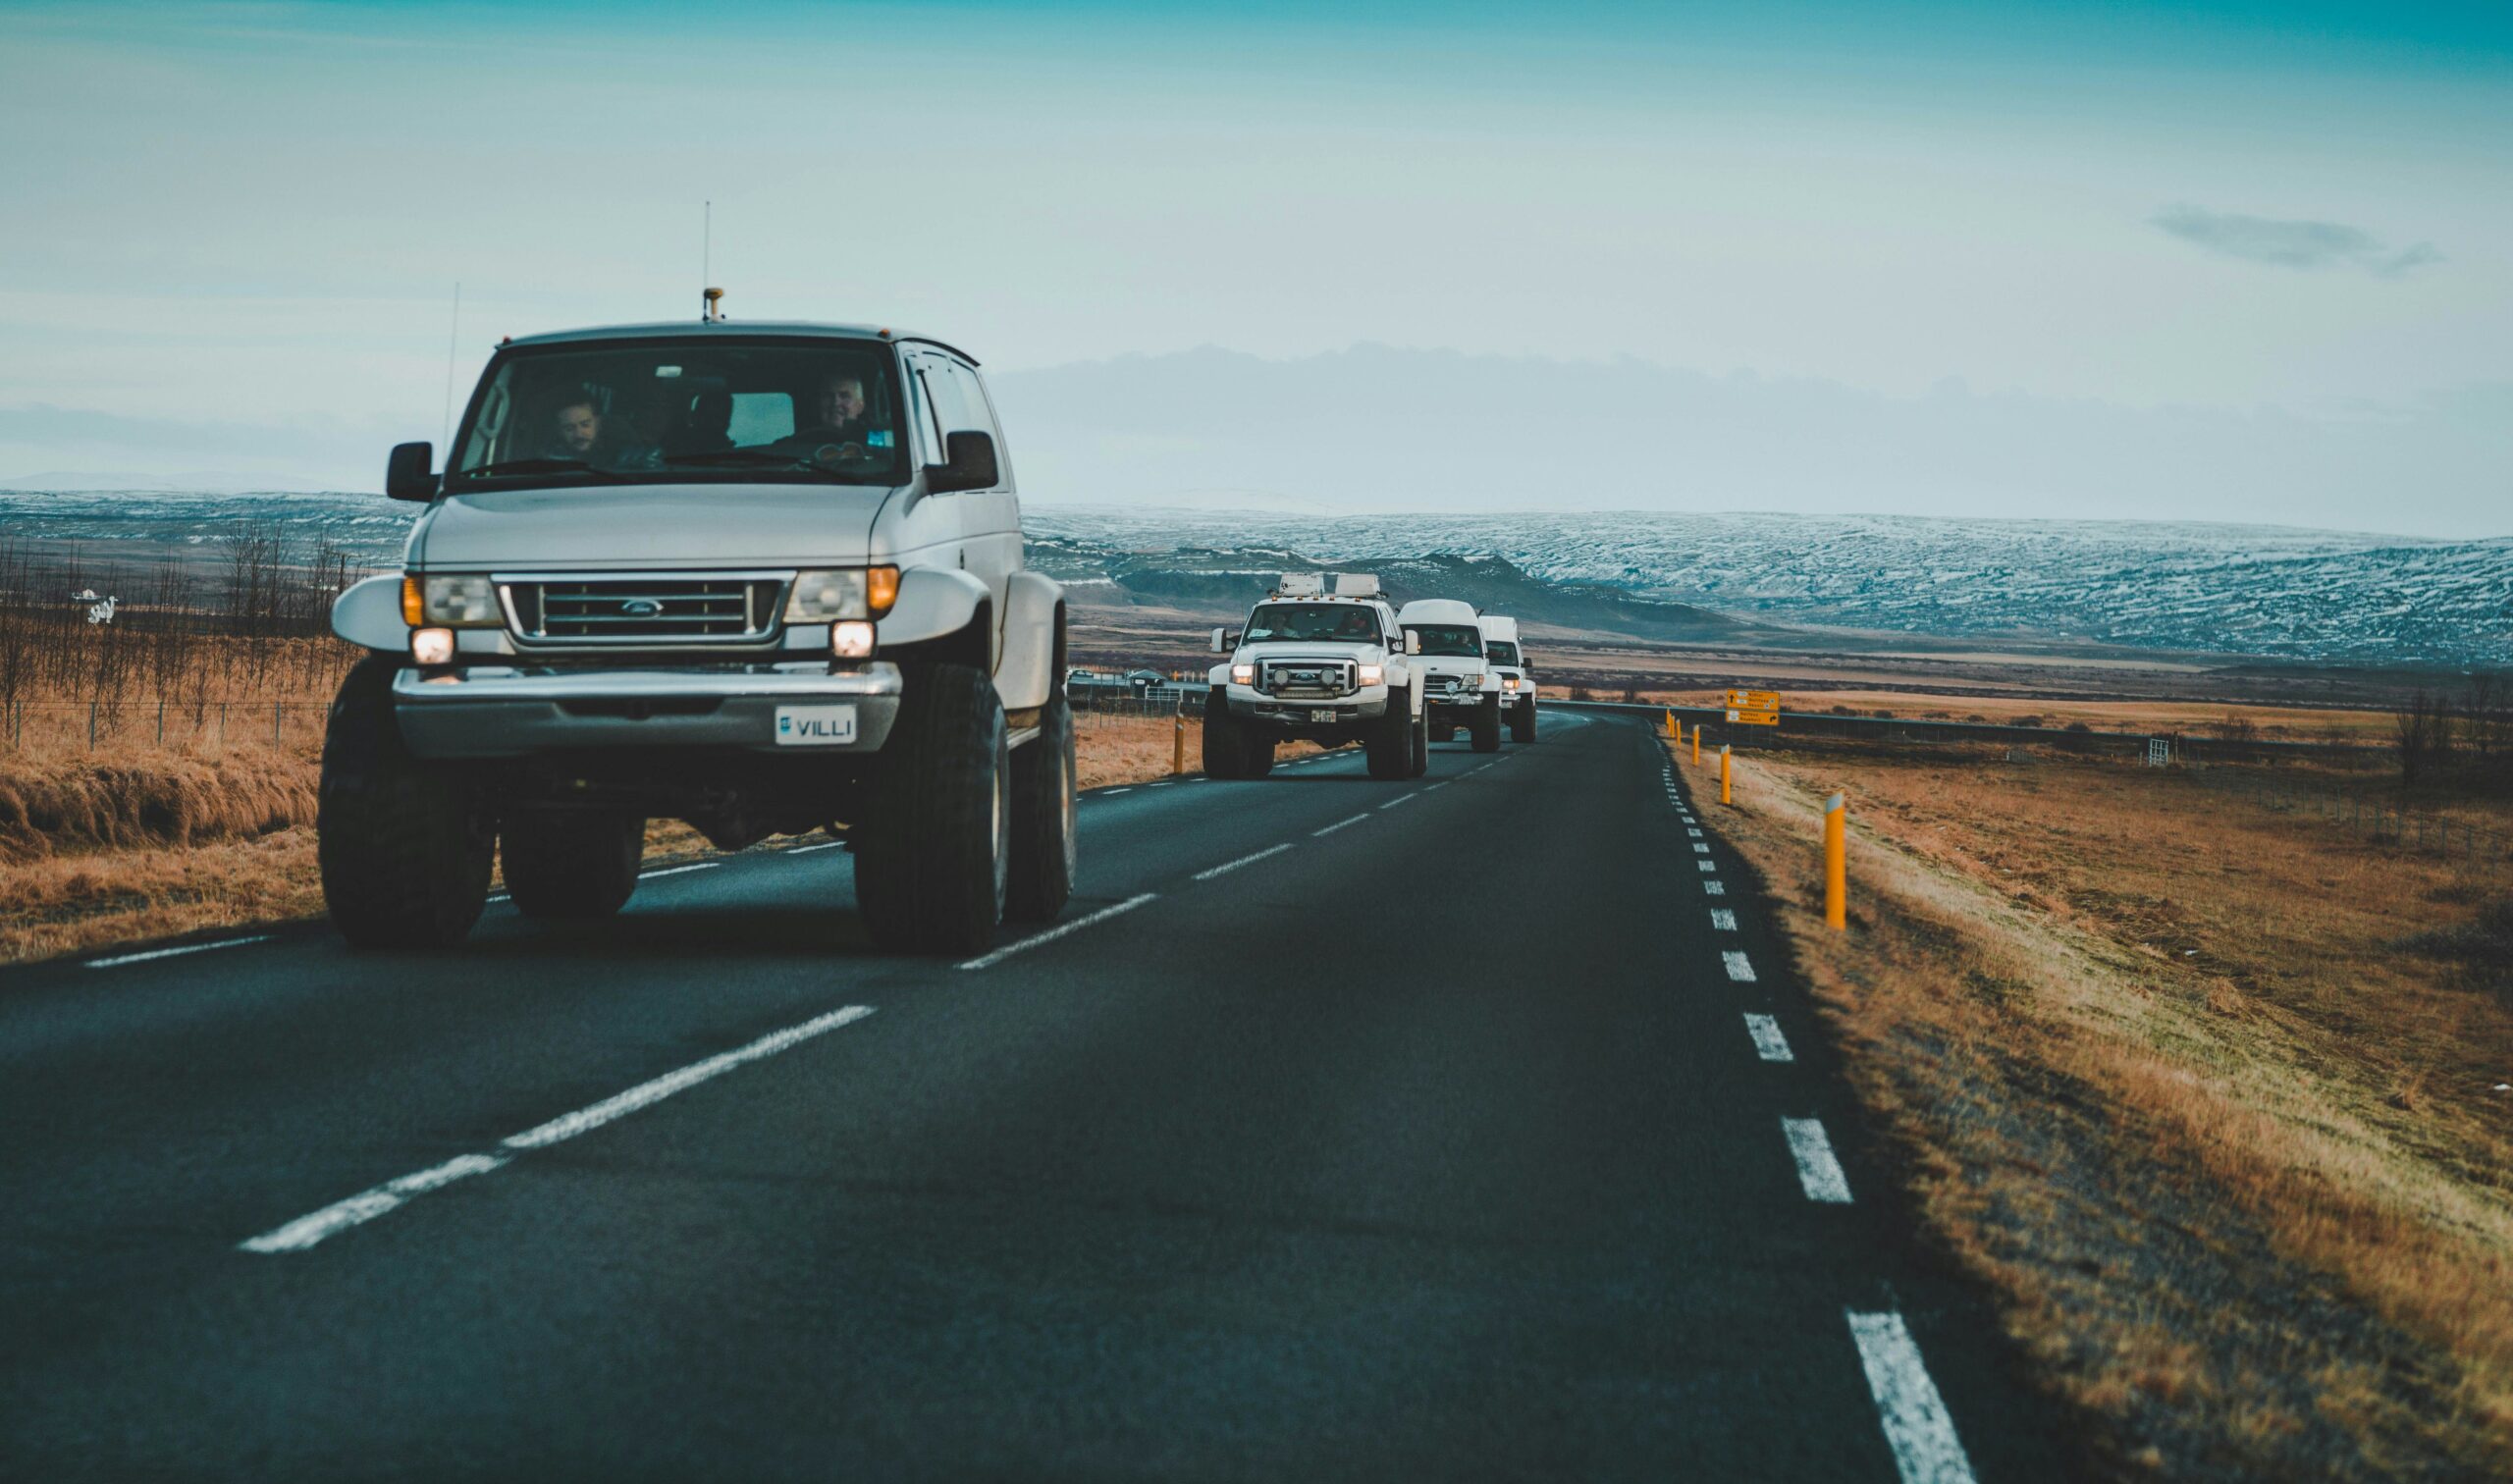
(2220, 262)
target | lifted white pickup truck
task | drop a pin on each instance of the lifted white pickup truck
(1508, 657)
(763, 578)
(1320, 660)
(1460, 685)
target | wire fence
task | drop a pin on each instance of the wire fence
(2383, 821)
(204, 725)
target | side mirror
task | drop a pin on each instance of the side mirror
(1221, 641)
(972, 466)
(1412, 642)
(411, 473)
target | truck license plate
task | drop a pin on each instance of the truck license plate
(815, 725)
(1324, 713)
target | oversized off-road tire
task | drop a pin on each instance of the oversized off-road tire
(403, 845)
(1485, 729)
(932, 852)
(1421, 745)
(1522, 722)
(1389, 746)
(1256, 753)
(569, 865)
(1224, 755)
(1044, 819)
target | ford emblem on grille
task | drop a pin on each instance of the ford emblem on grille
(641, 607)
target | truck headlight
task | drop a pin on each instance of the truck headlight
(1369, 674)
(458, 602)
(1509, 682)
(1243, 675)
(850, 639)
(432, 646)
(827, 597)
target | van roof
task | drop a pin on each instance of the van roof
(1437, 610)
(737, 330)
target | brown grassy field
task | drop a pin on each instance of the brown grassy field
(162, 842)
(2217, 1101)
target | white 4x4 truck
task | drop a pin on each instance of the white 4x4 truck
(1507, 657)
(1322, 660)
(763, 578)
(1461, 688)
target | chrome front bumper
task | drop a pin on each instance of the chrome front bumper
(487, 710)
(1366, 705)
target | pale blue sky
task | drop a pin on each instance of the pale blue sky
(232, 232)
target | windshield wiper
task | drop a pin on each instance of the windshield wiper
(545, 466)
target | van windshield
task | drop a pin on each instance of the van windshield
(1501, 652)
(1312, 623)
(653, 411)
(1449, 638)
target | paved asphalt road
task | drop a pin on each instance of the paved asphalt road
(1441, 1142)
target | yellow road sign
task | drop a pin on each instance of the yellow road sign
(1754, 718)
(1745, 700)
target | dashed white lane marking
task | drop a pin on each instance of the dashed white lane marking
(808, 849)
(989, 960)
(648, 876)
(1818, 1172)
(1428, 788)
(1163, 783)
(1245, 859)
(1723, 919)
(1769, 1043)
(1403, 798)
(306, 1231)
(1917, 1427)
(1707, 864)
(158, 953)
(1740, 968)
(1714, 888)
(1701, 848)
(1694, 833)
(1111, 793)
(1338, 825)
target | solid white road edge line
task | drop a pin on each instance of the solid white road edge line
(648, 876)
(1817, 1170)
(306, 1231)
(1245, 859)
(1917, 1427)
(158, 953)
(1740, 968)
(1057, 931)
(1338, 825)
(1769, 1043)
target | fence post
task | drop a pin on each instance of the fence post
(161, 724)
(91, 726)
(1836, 863)
(274, 706)
(1178, 742)
(222, 724)
(1723, 772)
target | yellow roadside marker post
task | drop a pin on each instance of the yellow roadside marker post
(1673, 729)
(1836, 865)
(1723, 772)
(1696, 744)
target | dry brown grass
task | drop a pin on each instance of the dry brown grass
(2169, 1082)
(159, 842)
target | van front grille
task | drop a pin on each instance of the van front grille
(721, 608)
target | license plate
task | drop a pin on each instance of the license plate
(1324, 714)
(815, 725)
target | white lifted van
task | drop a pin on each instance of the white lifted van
(1322, 660)
(1461, 688)
(1508, 657)
(764, 578)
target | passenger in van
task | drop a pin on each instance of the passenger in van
(837, 414)
(578, 431)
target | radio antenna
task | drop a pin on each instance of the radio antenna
(453, 340)
(707, 261)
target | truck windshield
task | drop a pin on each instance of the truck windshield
(1501, 652)
(1312, 623)
(651, 412)
(1448, 638)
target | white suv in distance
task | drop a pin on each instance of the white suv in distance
(1458, 685)
(764, 578)
(1321, 659)
(1508, 657)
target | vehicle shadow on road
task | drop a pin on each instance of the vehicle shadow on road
(685, 933)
